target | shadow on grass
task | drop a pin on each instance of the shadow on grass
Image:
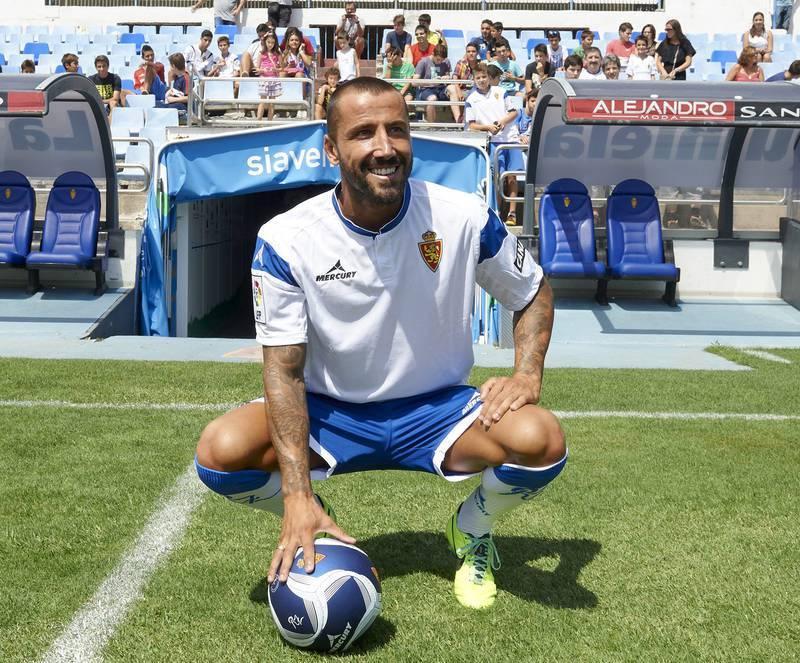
(400, 553)
(380, 634)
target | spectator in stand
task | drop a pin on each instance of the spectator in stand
(280, 13)
(674, 54)
(641, 66)
(180, 84)
(108, 85)
(555, 54)
(399, 38)
(70, 63)
(611, 67)
(148, 77)
(226, 12)
(512, 77)
(463, 72)
(623, 47)
(573, 66)
(592, 65)
(649, 33)
(400, 70)
(431, 68)
(791, 75)
(587, 39)
(484, 43)
(526, 116)
(227, 64)
(423, 48)
(296, 62)
(307, 43)
(434, 36)
(538, 70)
(351, 24)
(760, 38)
(346, 58)
(746, 69)
(332, 77)
(250, 58)
(199, 59)
(489, 108)
(270, 66)
(27, 67)
(497, 33)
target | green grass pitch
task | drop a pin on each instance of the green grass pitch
(663, 540)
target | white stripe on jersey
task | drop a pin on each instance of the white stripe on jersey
(386, 314)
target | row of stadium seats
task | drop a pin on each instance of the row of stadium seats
(70, 236)
(634, 247)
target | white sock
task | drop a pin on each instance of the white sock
(500, 490)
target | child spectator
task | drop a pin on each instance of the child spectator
(436, 66)
(497, 33)
(308, 46)
(199, 60)
(554, 51)
(526, 116)
(400, 70)
(423, 48)
(539, 69)
(332, 77)
(148, 77)
(346, 60)
(488, 108)
(108, 85)
(399, 38)
(623, 47)
(27, 67)
(511, 77)
(587, 39)
(573, 66)
(70, 63)
(177, 95)
(642, 65)
(463, 72)
(611, 67)
(269, 66)
(434, 36)
(592, 65)
(227, 65)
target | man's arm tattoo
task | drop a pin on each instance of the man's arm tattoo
(288, 414)
(533, 326)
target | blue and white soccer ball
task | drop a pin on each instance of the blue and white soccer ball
(329, 609)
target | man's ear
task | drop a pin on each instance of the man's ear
(330, 149)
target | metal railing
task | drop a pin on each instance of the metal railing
(146, 168)
(397, 5)
(202, 103)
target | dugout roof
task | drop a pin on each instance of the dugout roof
(52, 124)
(718, 136)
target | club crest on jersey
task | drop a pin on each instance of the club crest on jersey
(318, 557)
(430, 249)
(8, 194)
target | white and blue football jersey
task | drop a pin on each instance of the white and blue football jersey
(385, 314)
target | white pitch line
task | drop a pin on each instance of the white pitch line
(563, 414)
(768, 356)
(96, 622)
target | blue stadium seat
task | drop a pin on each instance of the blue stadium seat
(136, 38)
(448, 32)
(636, 249)
(230, 30)
(534, 42)
(567, 246)
(60, 70)
(17, 214)
(70, 233)
(723, 57)
(35, 49)
(3, 60)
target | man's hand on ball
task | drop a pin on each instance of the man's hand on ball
(501, 394)
(303, 518)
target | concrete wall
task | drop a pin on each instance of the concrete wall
(694, 15)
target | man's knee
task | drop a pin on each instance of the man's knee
(538, 440)
(219, 448)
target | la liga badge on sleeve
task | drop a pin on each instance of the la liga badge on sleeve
(430, 249)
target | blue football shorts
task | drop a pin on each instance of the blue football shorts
(411, 433)
(507, 159)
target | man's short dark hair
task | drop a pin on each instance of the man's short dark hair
(223, 37)
(178, 61)
(540, 48)
(398, 19)
(593, 49)
(440, 50)
(497, 25)
(146, 48)
(586, 32)
(424, 17)
(262, 27)
(422, 27)
(69, 58)
(487, 21)
(101, 58)
(393, 50)
(573, 61)
(625, 26)
(369, 84)
(206, 34)
(794, 68)
(501, 41)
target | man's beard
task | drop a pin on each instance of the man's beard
(369, 191)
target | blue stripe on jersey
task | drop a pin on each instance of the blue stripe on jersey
(369, 233)
(267, 260)
(492, 235)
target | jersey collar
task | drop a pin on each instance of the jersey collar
(363, 231)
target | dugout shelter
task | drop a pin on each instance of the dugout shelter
(733, 146)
